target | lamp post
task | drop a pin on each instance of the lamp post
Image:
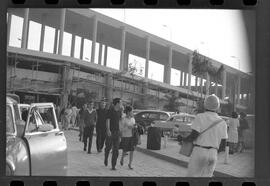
(237, 60)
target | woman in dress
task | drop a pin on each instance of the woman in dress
(127, 140)
(233, 124)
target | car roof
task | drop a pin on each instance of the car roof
(157, 111)
(184, 114)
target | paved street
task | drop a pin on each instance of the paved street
(82, 164)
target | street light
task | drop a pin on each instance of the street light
(237, 60)
(166, 26)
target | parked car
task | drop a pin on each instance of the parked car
(147, 117)
(176, 123)
(37, 146)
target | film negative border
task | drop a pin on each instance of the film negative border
(262, 169)
(217, 4)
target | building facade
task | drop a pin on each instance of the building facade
(40, 71)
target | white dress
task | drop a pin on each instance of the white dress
(233, 132)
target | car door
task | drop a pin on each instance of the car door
(47, 144)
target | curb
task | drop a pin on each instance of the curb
(171, 159)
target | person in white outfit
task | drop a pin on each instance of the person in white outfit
(233, 132)
(203, 158)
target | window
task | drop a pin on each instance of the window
(77, 47)
(16, 28)
(87, 49)
(66, 48)
(9, 120)
(156, 71)
(49, 34)
(145, 115)
(154, 116)
(41, 120)
(113, 58)
(34, 36)
(163, 116)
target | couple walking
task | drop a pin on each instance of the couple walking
(117, 127)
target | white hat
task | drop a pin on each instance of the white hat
(211, 102)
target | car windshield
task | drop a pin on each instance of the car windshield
(9, 120)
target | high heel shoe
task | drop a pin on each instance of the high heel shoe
(121, 162)
(129, 166)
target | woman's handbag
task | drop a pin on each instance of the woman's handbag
(187, 146)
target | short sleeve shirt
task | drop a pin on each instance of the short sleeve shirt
(114, 117)
(213, 136)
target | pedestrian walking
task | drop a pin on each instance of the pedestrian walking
(67, 117)
(232, 141)
(101, 125)
(112, 132)
(90, 118)
(128, 136)
(73, 115)
(243, 126)
(203, 158)
(81, 121)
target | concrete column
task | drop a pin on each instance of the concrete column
(168, 68)
(94, 38)
(8, 28)
(109, 89)
(62, 27)
(100, 53)
(123, 46)
(25, 28)
(81, 50)
(224, 82)
(55, 41)
(42, 32)
(207, 83)
(144, 92)
(190, 58)
(73, 41)
(185, 79)
(105, 55)
(216, 89)
(181, 78)
(201, 85)
(147, 56)
(66, 84)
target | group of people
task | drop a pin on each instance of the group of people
(208, 129)
(115, 129)
(236, 129)
(68, 116)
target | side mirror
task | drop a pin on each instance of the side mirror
(20, 125)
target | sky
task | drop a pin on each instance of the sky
(218, 34)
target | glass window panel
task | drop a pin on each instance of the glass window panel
(66, 48)
(156, 71)
(175, 77)
(77, 47)
(138, 63)
(113, 58)
(34, 34)
(16, 28)
(49, 35)
(87, 47)
(96, 53)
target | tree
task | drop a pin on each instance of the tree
(202, 67)
(174, 102)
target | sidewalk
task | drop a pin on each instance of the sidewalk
(240, 164)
